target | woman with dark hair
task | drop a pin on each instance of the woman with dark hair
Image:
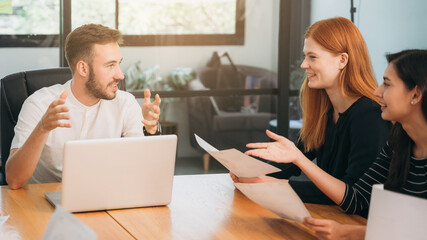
(402, 163)
(342, 126)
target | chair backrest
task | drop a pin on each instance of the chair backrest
(235, 77)
(202, 116)
(15, 88)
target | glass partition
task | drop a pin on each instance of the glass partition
(226, 94)
(187, 116)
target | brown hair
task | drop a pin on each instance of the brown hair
(79, 43)
(337, 35)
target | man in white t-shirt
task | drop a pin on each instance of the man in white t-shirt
(86, 107)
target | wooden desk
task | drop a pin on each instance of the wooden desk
(209, 207)
(30, 213)
(202, 207)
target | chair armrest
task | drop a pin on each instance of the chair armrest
(237, 121)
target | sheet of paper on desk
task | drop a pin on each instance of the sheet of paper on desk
(64, 225)
(278, 197)
(237, 162)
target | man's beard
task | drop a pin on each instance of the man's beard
(95, 89)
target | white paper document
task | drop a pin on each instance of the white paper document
(203, 144)
(278, 197)
(395, 215)
(237, 162)
(64, 225)
(3, 219)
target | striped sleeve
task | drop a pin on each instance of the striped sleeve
(357, 197)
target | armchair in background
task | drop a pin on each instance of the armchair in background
(231, 121)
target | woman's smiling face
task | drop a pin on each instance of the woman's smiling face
(322, 66)
(395, 98)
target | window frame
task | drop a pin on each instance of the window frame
(238, 38)
(28, 40)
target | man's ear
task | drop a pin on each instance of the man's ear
(343, 57)
(82, 68)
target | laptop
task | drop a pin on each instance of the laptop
(395, 215)
(101, 174)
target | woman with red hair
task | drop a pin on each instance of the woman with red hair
(342, 126)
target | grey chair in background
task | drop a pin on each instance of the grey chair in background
(223, 121)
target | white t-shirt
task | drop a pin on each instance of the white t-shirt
(120, 117)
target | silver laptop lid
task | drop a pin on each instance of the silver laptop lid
(117, 173)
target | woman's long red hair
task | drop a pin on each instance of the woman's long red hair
(337, 35)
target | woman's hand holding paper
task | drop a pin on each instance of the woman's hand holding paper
(259, 179)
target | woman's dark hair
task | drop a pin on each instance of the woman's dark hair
(411, 67)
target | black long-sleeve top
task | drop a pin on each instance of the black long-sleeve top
(357, 196)
(351, 146)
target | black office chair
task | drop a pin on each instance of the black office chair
(15, 88)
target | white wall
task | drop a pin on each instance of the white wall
(386, 25)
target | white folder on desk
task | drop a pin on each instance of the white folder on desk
(278, 197)
(395, 215)
(237, 162)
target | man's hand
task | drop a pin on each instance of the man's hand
(150, 112)
(23, 161)
(56, 112)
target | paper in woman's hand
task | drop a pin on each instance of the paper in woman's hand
(237, 162)
(203, 144)
(243, 165)
(278, 197)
